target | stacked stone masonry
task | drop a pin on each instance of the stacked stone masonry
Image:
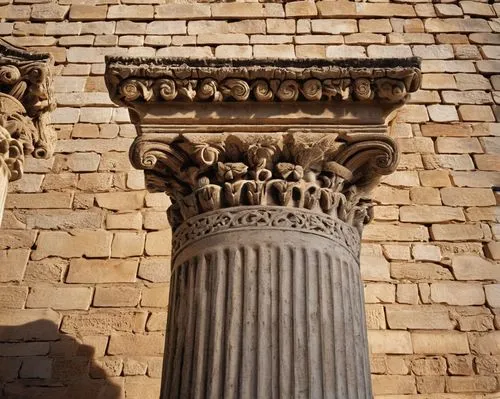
(85, 249)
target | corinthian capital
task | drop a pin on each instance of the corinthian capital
(26, 98)
(296, 134)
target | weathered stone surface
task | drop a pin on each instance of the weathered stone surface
(60, 298)
(102, 271)
(402, 317)
(74, 244)
(470, 267)
(457, 293)
(439, 342)
(104, 322)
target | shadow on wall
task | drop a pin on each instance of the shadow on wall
(37, 362)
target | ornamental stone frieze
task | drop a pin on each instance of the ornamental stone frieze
(269, 165)
(26, 99)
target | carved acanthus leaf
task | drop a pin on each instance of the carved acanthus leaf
(327, 173)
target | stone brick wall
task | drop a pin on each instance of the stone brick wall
(84, 249)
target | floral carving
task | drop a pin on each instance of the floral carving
(201, 226)
(326, 173)
(26, 98)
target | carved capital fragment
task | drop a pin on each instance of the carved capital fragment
(307, 134)
(26, 98)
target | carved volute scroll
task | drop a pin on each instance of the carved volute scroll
(26, 98)
(323, 166)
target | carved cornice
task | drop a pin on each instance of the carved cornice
(323, 172)
(150, 80)
(26, 98)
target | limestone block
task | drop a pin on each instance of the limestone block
(156, 270)
(233, 51)
(124, 221)
(13, 264)
(121, 200)
(439, 342)
(384, 51)
(470, 267)
(334, 26)
(106, 366)
(402, 317)
(407, 293)
(270, 51)
(136, 344)
(39, 200)
(102, 271)
(430, 384)
(473, 318)
(48, 12)
(426, 252)
(182, 11)
(379, 293)
(155, 297)
(420, 271)
(343, 51)
(13, 297)
(435, 365)
(485, 343)
(456, 232)
(400, 232)
(479, 113)
(393, 384)
(375, 317)
(442, 113)
(472, 384)
(116, 296)
(104, 322)
(36, 367)
(430, 214)
(134, 366)
(157, 321)
(60, 298)
(83, 12)
(396, 252)
(126, 244)
(459, 365)
(434, 178)
(435, 25)
(390, 342)
(45, 271)
(425, 196)
(74, 244)
(374, 268)
(158, 243)
(457, 293)
(132, 12)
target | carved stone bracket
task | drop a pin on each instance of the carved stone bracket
(26, 98)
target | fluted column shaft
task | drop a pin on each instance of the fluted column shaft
(264, 307)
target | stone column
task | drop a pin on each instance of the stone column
(269, 168)
(25, 100)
